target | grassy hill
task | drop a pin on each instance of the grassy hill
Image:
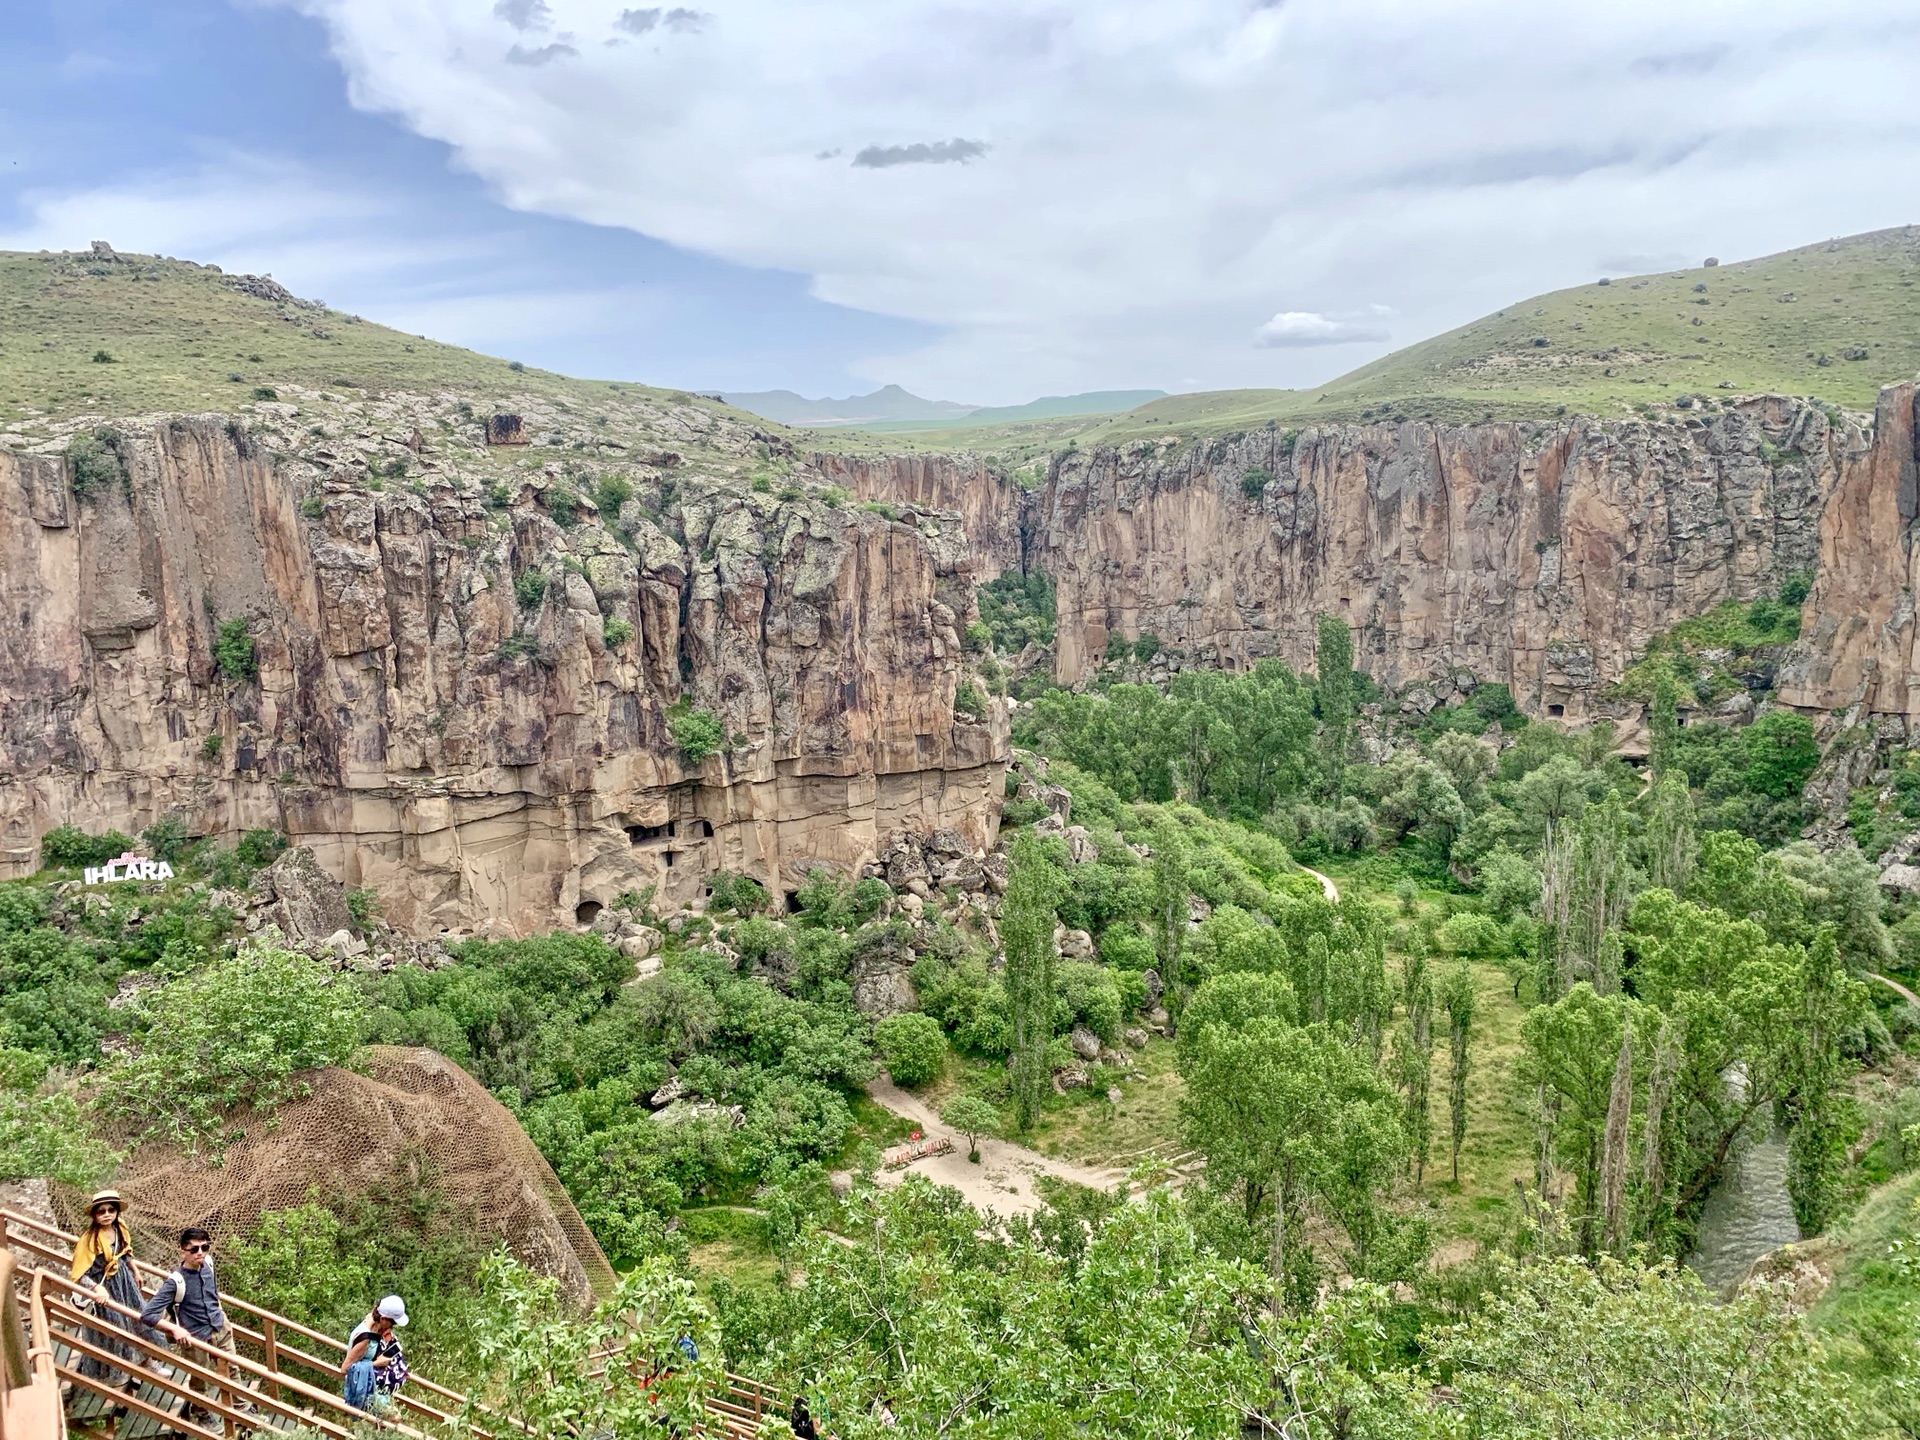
(1837, 320)
(135, 334)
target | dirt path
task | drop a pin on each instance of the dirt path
(1002, 1181)
(1894, 985)
(1326, 883)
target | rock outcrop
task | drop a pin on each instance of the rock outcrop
(1541, 556)
(464, 691)
(1858, 641)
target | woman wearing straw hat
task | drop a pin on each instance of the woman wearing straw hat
(103, 1264)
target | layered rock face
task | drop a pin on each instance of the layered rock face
(1858, 642)
(1543, 557)
(466, 740)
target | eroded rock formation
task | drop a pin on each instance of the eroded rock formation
(1541, 556)
(464, 687)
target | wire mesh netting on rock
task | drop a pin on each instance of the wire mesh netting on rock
(408, 1118)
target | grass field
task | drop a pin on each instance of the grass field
(179, 336)
(1835, 320)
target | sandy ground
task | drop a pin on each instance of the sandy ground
(1002, 1181)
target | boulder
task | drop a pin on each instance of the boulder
(882, 990)
(668, 1093)
(639, 945)
(1076, 945)
(906, 867)
(949, 843)
(309, 905)
(1905, 879)
(1085, 1043)
(1135, 1037)
(1150, 982)
(681, 1111)
(997, 871)
(1058, 802)
(1080, 847)
(1114, 1096)
(1071, 1077)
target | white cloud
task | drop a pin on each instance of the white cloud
(1154, 180)
(1305, 327)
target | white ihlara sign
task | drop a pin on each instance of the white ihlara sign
(128, 867)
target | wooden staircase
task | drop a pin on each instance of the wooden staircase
(264, 1394)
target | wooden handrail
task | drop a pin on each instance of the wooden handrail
(272, 1375)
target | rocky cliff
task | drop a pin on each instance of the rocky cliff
(457, 671)
(1541, 556)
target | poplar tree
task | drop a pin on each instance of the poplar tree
(1026, 930)
(1172, 891)
(1456, 999)
(1333, 658)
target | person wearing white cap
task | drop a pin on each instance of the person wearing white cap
(375, 1366)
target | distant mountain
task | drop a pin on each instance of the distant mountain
(889, 402)
(897, 409)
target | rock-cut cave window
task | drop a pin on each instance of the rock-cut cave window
(587, 911)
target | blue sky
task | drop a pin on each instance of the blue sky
(984, 200)
(111, 108)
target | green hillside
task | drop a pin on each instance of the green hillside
(1836, 320)
(133, 334)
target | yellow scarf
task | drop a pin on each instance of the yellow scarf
(89, 1247)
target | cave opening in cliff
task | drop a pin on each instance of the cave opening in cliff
(793, 902)
(1556, 711)
(587, 911)
(701, 830)
(640, 834)
(666, 858)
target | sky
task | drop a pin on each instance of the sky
(982, 202)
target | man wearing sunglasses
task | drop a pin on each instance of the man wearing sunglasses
(187, 1307)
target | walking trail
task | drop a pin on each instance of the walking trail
(1326, 883)
(1002, 1181)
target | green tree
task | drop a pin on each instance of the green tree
(696, 734)
(1668, 845)
(234, 653)
(1027, 916)
(1413, 1058)
(1288, 1114)
(43, 1131)
(973, 1116)
(1566, 1351)
(232, 1034)
(912, 1046)
(1572, 1049)
(1780, 753)
(1663, 721)
(1457, 1001)
(1172, 890)
(1333, 694)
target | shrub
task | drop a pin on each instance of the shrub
(234, 1032)
(564, 508)
(234, 653)
(1796, 589)
(741, 894)
(967, 700)
(977, 638)
(1780, 753)
(1471, 934)
(363, 905)
(518, 646)
(68, 846)
(912, 1046)
(696, 734)
(265, 392)
(617, 632)
(762, 485)
(515, 366)
(1146, 647)
(530, 589)
(96, 466)
(313, 507)
(260, 847)
(102, 357)
(166, 838)
(1118, 648)
(611, 493)
(1254, 483)
(1022, 812)
(210, 748)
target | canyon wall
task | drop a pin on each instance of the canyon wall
(1540, 556)
(1858, 642)
(484, 758)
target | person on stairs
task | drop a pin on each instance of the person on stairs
(186, 1308)
(103, 1266)
(375, 1366)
